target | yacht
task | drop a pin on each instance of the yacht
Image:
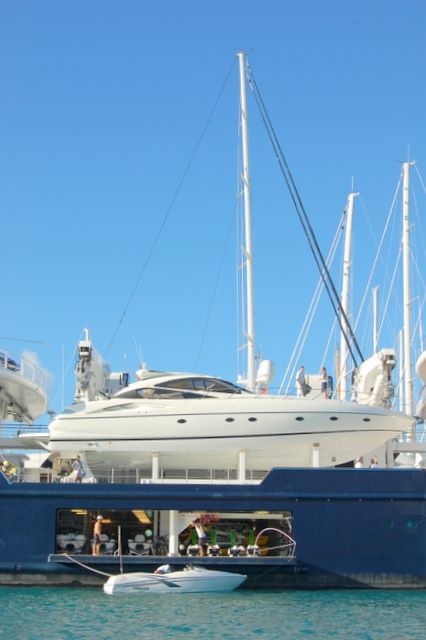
(284, 527)
(183, 421)
(169, 420)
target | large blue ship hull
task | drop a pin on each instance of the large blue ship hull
(353, 527)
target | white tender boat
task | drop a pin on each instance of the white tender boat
(163, 580)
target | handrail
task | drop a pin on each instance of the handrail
(19, 365)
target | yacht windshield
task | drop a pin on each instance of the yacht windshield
(159, 393)
(185, 388)
(209, 385)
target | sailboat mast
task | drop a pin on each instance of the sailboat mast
(248, 249)
(375, 319)
(347, 264)
(408, 382)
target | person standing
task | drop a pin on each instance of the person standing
(300, 381)
(97, 531)
(324, 382)
(78, 467)
(202, 538)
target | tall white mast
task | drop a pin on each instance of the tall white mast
(401, 371)
(347, 264)
(248, 250)
(375, 319)
(408, 382)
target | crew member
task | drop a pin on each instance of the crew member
(97, 530)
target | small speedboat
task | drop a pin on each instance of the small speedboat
(164, 580)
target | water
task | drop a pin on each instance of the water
(67, 614)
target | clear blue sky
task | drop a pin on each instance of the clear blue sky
(102, 104)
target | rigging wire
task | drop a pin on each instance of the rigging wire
(300, 342)
(420, 178)
(391, 290)
(170, 207)
(378, 254)
(305, 222)
(21, 340)
(215, 290)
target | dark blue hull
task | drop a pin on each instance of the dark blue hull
(353, 528)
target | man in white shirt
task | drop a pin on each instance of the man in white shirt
(300, 381)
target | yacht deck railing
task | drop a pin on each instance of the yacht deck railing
(21, 366)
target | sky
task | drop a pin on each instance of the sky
(119, 173)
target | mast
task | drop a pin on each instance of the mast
(408, 382)
(248, 250)
(337, 361)
(401, 371)
(347, 264)
(375, 320)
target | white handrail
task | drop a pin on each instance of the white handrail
(21, 366)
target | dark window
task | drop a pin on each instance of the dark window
(203, 384)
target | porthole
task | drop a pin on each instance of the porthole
(252, 419)
(366, 419)
(181, 420)
(229, 419)
(411, 524)
(334, 418)
(300, 418)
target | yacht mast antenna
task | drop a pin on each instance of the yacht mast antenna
(248, 249)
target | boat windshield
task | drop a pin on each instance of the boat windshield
(184, 388)
(159, 393)
(209, 385)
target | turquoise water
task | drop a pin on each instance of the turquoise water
(68, 614)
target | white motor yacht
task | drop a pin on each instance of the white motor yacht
(197, 421)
